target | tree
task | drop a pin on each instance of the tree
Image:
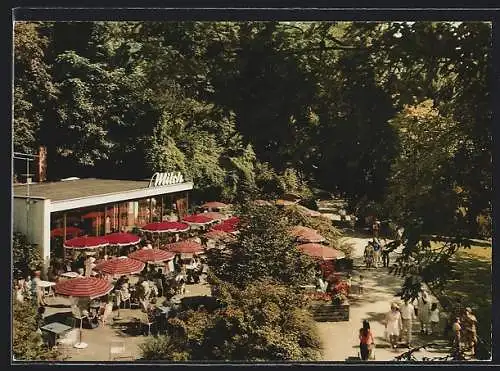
(263, 322)
(264, 249)
(34, 91)
(26, 257)
(421, 184)
(27, 344)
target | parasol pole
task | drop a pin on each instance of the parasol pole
(81, 344)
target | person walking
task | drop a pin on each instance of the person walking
(385, 254)
(39, 293)
(393, 325)
(434, 318)
(469, 330)
(369, 255)
(376, 252)
(360, 285)
(366, 342)
(456, 340)
(407, 316)
(424, 310)
(376, 227)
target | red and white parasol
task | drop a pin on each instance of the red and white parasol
(85, 287)
(317, 250)
(198, 219)
(184, 247)
(122, 239)
(165, 227)
(151, 255)
(86, 242)
(306, 234)
(214, 205)
(120, 266)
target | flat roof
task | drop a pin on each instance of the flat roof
(80, 188)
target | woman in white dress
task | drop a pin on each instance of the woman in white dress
(424, 311)
(393, 325)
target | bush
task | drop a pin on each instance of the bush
(26, 257)
(263, 322)
(27, 344)
(263, 249)
(163, 348)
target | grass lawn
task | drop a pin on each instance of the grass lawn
(473, 286)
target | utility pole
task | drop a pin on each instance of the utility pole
(28, 158)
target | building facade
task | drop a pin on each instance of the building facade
(96, 207)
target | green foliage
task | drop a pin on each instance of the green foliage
(27, 344)
(263, 322)
(163, 348)
(264, 107)
(264, 249)
(420, 185)
(26, 257)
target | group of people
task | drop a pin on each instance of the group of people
(30, 289)
(377, 253)
(464, 330)
(399, 323)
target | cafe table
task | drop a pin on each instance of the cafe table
(47, 287)
(70, 275)
(55, 329)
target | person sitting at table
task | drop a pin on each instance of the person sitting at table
(145, 289)
(19, 293)
(158, 280)
(40, 292)
(39, 320)
(120, 281)
(67, 266)
(108, 309)
(124, 291)
(27, 287)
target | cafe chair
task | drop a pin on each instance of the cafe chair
(117, 351)
(124, 301)
(66, 342)
(150, 320)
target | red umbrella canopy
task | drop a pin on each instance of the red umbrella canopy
(151, 255)
(309, 212)
(184, 247)
(214, 215)
(218, 235)
(198, 219)
(86, 242)
(161, 227)
(214, 205)
(85, 287)
(316, 250)
(122, 239)
(234, 220)
(120, 266)
(306, 234)
(70, 231)
(224, 227)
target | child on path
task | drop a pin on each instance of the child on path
(360, 285)
(434, 317)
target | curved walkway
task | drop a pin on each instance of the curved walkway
(340, 339)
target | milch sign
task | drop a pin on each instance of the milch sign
(161, 179)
